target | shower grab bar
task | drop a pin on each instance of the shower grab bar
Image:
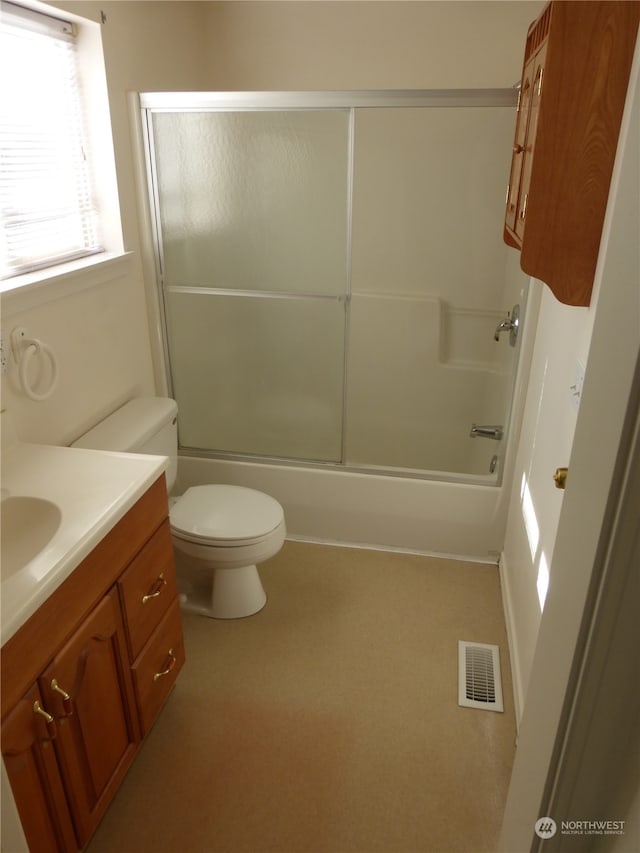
(495, 432)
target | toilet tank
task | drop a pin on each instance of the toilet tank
(143, 425)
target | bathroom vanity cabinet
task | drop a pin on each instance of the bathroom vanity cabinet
(84, 678)
(573, 87)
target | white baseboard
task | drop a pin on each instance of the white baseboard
(516, 672)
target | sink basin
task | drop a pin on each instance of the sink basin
(27, 526)
(57, 504)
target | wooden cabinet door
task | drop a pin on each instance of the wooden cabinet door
(519, 146)
(524, 147)
(87, 688)
(536, 79)
(32, 769)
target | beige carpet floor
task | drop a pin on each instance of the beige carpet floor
(328, 722)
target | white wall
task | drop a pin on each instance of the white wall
(368, 45)
(548, 423)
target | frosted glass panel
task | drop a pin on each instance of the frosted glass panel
(409, 404)
(428, 203)
(254, 200)
(258, 375)
(427, 283)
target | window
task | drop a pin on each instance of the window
(46, 202)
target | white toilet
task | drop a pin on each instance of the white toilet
(219, 532)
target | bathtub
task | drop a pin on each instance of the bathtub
(428, 516)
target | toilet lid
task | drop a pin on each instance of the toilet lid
(231, 513)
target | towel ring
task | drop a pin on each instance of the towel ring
(30, 348)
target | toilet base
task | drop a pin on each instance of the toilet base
(233, 594)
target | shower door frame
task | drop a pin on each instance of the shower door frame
(256, 101)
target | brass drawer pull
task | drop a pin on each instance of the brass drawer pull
(172, 663)
(51, 724)
(157, 589)
(67, 702)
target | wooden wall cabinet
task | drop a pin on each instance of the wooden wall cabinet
(572, 93)
(85, 677)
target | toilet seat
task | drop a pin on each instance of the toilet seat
(231, 516)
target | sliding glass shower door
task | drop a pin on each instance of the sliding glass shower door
(333, 273)
(252, 222)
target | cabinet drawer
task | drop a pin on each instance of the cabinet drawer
(147, 588)
(156, 670)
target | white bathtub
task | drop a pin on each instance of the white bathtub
(458, 519)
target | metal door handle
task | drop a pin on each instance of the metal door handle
(560, 478)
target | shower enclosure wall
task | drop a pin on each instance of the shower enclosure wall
(332, 273)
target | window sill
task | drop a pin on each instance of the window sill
(23, 292)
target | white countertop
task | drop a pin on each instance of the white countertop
(92, 490)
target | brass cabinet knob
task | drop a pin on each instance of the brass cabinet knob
(560, 478)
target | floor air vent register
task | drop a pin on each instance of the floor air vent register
(479, 683)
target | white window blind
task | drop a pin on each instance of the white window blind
(47, 209)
